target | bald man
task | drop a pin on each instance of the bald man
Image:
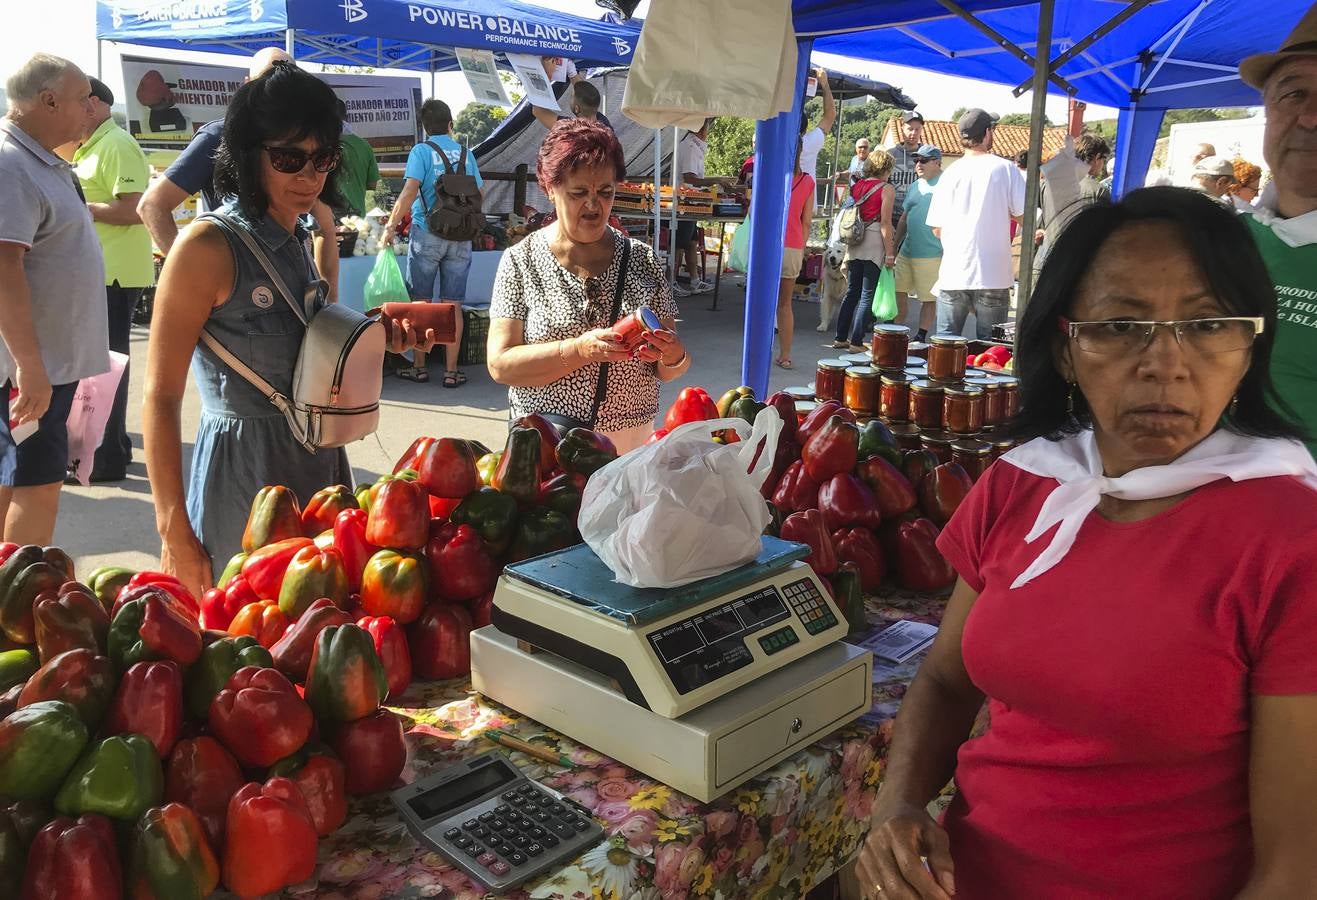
(193, 171)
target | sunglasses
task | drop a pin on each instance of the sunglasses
(291, 160)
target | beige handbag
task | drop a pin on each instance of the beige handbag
(340, 366)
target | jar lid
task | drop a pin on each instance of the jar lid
(805, 406)
(963, 390)
(944, 340)
(857, 359)
(924, 386)
(834, 365)
(865, 372)
(974, 448)
(1006, 381)
(1003, 443)
(799, 393)
(896, 378)
(903, 429)
(985, 382)
(891, 329)
(935, 437)
(916, 361)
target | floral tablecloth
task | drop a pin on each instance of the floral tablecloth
(778, 835)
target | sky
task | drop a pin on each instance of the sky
(68, 28)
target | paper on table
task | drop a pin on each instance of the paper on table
(530, 71)
(900, 640)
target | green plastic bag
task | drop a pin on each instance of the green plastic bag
(739, 258)
(385, 284)
(884, 297)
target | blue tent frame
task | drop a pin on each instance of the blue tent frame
(1140, 56)
(417, 35)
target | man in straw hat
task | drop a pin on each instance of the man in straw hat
(1285, 221)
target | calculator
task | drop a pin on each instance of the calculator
(494, 823)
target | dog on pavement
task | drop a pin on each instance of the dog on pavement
(833, 288)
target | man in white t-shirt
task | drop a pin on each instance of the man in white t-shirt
(811, 139)
(971, 213)
(691, 150)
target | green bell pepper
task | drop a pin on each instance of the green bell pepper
(152, 627)
(38, 745)
(106, 582)
(346, 680)
(120, 778)
(584, 451)
(16, 605)
(746, 407)
(217, 664)
(492, 514)
(518, 472)
(876, 439)
(16, 667)
(849, 594)
(541, 530)
(171, 858)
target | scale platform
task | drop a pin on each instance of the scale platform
(705, 753)
(671, 650)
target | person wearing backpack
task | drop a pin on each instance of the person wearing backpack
(874, 198)
(443, 192)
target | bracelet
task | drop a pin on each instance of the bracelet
(677, 364)
(562, 357)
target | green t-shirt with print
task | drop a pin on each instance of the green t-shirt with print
(357, 172)
(1294, 354)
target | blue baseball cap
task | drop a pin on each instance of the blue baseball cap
(928, 151)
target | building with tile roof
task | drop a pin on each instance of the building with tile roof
(1008, 141)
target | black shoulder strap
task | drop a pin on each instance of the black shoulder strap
(602, 384)
(448, 165)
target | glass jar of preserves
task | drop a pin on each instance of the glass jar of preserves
(906, 434)
(799, 393)
(1010, 388)
(926, 404)
(1001, 446)
(803, 409)
(973, 456)
(856, 359)
(962, 408)
(894, 397)
(860, 390)
(890, 345)
(994, 399)
(830, 380)
(946, 357)
(938, 442)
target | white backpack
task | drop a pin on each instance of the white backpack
(340, 366)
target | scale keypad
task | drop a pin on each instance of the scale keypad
(810, 605)
(779, 639)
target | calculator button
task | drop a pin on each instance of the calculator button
(487, 817)
(549, 840)
(503, 809)
(452, 833)
(535, 831)
(500, 868)
(525, 824)
(469, 824)
(541, 816)
(479, 831)
(581, 825)
(522, 841)
(516, 858)
(510, 795)
(496, 823)
(474, 850)
(487, 859)
(562, 829)
(533, 849)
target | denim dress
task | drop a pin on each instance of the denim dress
(243, 443)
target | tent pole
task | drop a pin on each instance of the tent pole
(1042, 65)
(673, 249)
(830, 197)
(288, 42)
(658, 181)
(99, 73)
(432, 87)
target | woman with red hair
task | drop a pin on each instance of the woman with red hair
(559, 293)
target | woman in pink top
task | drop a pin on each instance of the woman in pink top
(800, 212)
(1137, 598)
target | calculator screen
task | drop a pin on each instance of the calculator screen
(460, 791)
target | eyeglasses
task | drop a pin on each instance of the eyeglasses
(291, 160)
(924, 159)
(1118, 337)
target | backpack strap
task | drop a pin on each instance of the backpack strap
(859, 204)
(601, 385)
(242, 233)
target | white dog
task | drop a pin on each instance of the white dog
(833, 288)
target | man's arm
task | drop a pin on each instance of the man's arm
(546, 117)
(829, 117)
(20, 336)
(122, 210)
(156, 211)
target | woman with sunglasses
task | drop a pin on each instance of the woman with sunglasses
(276, 159)
(560, 292)
(1137, 598)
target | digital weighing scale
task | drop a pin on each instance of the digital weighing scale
(671, 650)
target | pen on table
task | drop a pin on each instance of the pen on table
(504, 739)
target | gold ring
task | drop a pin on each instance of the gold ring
(877, 888)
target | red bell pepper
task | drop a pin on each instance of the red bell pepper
(394, 585)
(819, 417)
(519, 469)
(399, 516)
(67, 620)
(788, 452)
(153, 627)
(391, 647)
(172, 859)
(442, 507)
(346, 680)
(461, 566)
(269, 839)
(263, 620)
(275, 516)
(844, 501)
(831, 450)
(169, 584)
(440, 642)
(78, 677)
(323, 508)
(890, 488)
(447, 468)
(259, 716)
(218, 607)
(658, 435)
(71, 860)
(264, 569)
(322, 780)
(919, 565)
(292, 652)
(796, 490)
(563, 493)
(807, 528)
(943, 490)
(373, 751)
(149, 702)
(7, 550)
(313, 573)
(693, 404)
(549, 438)
(411, 458)
(350, 541)
(482, 610)
(785, 405)
(202, 775)
(916, 464)
(859, 547)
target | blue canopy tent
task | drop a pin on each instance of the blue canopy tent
(417, 35)
(1140, 56)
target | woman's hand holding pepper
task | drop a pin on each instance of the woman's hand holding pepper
(891, 865)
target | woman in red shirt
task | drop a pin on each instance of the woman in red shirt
(800, 214)
(865, 260)
(1134, 610)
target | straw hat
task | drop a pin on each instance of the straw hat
(1302, 41)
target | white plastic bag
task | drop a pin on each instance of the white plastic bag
(684, 508)
(92, 400)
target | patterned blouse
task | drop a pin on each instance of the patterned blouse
(553, 304)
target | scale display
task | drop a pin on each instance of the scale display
(705, 647)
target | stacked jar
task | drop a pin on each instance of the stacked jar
(875, 383)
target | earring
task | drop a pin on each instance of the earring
(1234, 405)
(1070, 400)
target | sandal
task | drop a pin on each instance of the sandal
(784, 363)
(840, 345)
(454, 379)
(411, 373)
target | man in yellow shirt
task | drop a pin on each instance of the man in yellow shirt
(113, 172)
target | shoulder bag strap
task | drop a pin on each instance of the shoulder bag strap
(602, 383)
(859, 204)
(243, 234)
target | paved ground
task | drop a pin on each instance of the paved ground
(100, 524)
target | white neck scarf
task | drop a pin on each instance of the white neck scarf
(1299, 231)
(1075, 463)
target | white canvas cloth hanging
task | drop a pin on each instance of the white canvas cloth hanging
(697, 59)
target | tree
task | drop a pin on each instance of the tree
(1180, 116)
(731, 140)
(1019, 119)
(476, 122)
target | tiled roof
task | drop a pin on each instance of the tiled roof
(1008, 141)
